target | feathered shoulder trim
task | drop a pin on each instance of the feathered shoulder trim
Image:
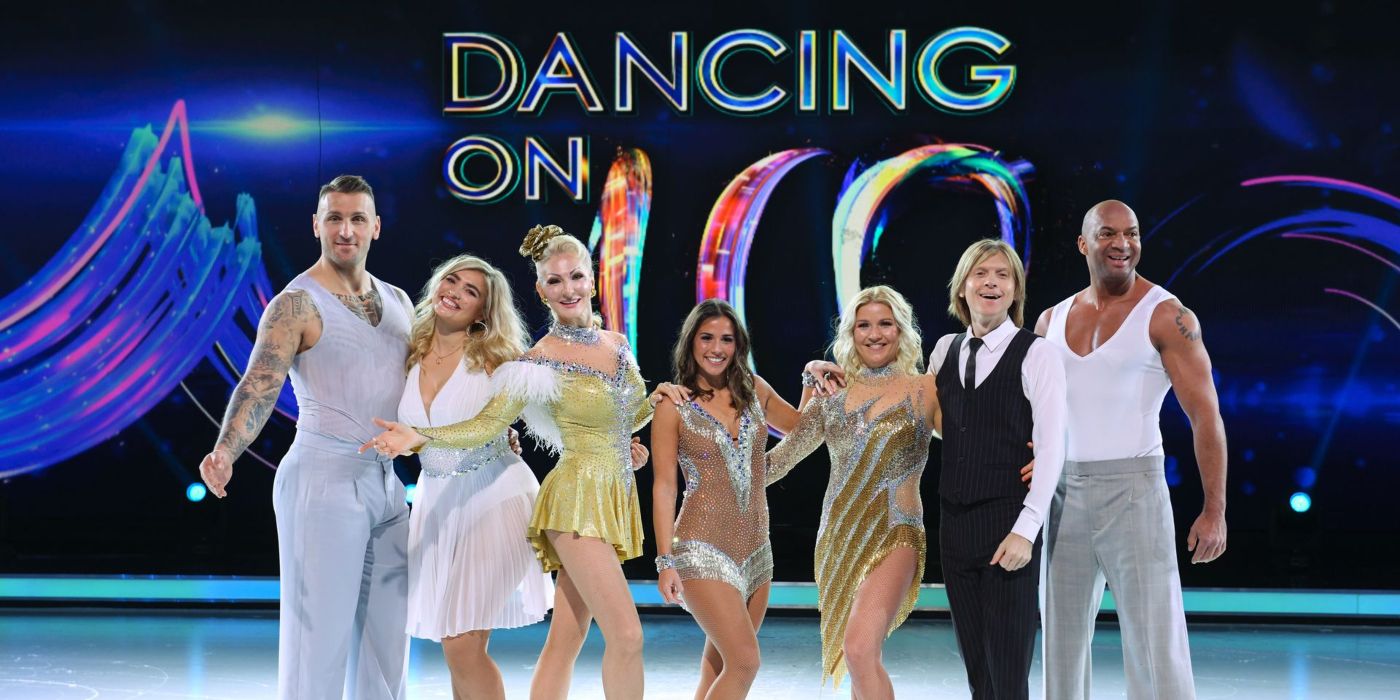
(539, 387)
(531, 382)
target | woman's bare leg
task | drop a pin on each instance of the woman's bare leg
(731, 629)
(876, 604)
(597, 577)
(474, 675)
(568, 627)
(710, 665)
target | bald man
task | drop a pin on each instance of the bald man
(1128, 342)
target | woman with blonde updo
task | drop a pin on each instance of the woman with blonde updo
(582, 397)
(469, 569)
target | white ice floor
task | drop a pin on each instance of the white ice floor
(60, 654)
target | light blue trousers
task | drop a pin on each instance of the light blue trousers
(342, 540)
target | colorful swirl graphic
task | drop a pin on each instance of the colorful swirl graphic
(135, 298)
(724, 247)
(859, 219)
(621, 227)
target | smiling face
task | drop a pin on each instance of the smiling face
(876, 335)
(1111, 242)
(714, 348)
(989, 290)
(345, 224)
(460, 299)
(566, 284)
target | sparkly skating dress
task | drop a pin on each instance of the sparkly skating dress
(586, 415)
(878, 440)
(722, 528)
(468, 566)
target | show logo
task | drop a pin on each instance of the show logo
(485, 75)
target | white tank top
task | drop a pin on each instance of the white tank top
(354, 373)
(1115, 392)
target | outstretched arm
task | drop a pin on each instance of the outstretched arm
(1176, 333)
(802, 441)
(281, 333)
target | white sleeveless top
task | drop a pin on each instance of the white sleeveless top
(1115, 392)
(354, 372)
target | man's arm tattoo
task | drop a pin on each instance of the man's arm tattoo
(256, 394)
(1181, 325)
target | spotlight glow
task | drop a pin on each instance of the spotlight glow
(1300, 502)
(274, 125)
(196, 492)
(409, 492)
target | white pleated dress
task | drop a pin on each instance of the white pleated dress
(469, 564)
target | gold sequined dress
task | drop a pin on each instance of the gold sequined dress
(878, 439)
(585, 414)
(722, 527)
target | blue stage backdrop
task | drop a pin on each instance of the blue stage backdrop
(161, 163)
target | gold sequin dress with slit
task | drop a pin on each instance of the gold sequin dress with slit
(878, 440)
(722, 527)
(585, 414)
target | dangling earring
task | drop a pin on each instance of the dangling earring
(484, 328)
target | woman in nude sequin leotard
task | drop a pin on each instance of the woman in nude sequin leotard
(715, 558)
(871, 544)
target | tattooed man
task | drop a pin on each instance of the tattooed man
(1127, 341)
(342, 524)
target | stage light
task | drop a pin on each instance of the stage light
(1305, 476)
(409, 492)
(276, 126)
(1300, 502)
(196, 492)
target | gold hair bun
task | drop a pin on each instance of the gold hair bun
(537, 239)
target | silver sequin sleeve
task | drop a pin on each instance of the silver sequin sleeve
(802, 441)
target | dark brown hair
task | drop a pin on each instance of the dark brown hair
(346, 184)
(737, 377)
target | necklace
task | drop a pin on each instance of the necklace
(877, 372)
(439, 357)
(575, 334)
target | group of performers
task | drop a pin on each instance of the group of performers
(1052, 461)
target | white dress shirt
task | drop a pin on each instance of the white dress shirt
(1043, 382)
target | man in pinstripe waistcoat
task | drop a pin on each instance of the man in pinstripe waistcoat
(1001, 389)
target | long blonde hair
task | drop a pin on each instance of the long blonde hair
(975, 254)
(910, 359)
(503, 339)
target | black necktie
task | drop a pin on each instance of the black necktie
(970, 376)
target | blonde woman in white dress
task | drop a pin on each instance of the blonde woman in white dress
(471, 569)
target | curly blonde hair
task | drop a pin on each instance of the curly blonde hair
(503, 339)
(910, 359)
(546, 241)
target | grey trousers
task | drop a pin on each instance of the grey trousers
(1112, 521)
(342, 540)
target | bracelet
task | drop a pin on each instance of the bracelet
(664, 562)
(810, 380)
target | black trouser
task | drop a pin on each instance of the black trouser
(995, 611)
